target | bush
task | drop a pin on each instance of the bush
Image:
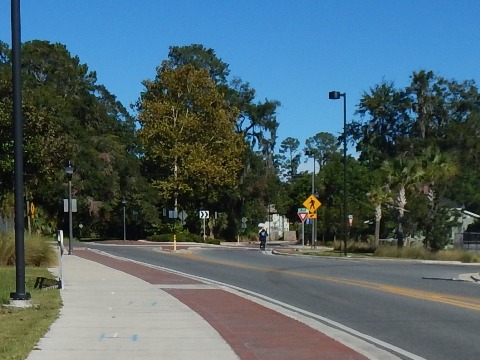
(212, 241)
(195, 238)
(458, 255)
(160, 237)
(183, 237)
(421, 253)
(393, 251)
(7, 249)
(38, 250)
(358, 247)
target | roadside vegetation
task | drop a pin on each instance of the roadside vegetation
(199, 138)
(358, 249)
(21, 328)
(38, 250)
(463, 256)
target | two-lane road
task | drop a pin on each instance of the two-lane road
(411, 305)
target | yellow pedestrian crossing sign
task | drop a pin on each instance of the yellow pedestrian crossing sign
(312, 203)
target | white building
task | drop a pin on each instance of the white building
(466, 218)
(276, 224)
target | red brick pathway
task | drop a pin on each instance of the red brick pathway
(253, 331)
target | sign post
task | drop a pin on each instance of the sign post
(204, 214)
(302, 214)
(182, 216)
(312, 204)
(61, 281)
(244, 226)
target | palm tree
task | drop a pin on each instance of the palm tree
(378, 196)
(437, 168)
(402, 173)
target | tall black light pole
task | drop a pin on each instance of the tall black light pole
(124, 202)
(69, 172)
(20, 293)
(335, 95)
(311, 153)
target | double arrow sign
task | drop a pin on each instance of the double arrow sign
(203, 214)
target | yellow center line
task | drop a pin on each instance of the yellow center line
(458, 301)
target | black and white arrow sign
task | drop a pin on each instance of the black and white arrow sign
(204, 214)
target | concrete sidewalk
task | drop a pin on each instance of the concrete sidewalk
(109, 314)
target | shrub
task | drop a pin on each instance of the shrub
(354, 246)
(195, 238)
(249, 235)
(360, 247)
(458, 255)
(7, 249)
(181, 237)
(212, 241)
(393, 251)
(417, 252)
(160, 237)
(38, 250)
(414, 253)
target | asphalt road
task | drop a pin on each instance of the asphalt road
(410, 305)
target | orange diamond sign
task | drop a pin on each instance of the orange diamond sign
(312, 204)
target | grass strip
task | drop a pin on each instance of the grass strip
(21, 328)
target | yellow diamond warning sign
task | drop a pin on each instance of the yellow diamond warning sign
(312, 203)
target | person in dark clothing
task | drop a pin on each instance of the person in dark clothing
(262, 237)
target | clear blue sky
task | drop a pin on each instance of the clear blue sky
(291, 51)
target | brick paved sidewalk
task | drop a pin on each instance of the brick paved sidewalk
(252, 330)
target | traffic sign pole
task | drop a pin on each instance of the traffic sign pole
(312, 204)
(204, 230)
(303, 214)
(204, 214)
(303, 233)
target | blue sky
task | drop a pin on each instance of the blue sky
(291, 51)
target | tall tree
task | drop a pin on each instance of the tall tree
(255, 121)
(438, 105)
(188, 134)
(402, 174)
(68, 116)
(385, 114)
(289, 158)
(322, 146)
(438, 170)
(379, 196)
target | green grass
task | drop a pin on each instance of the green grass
(21, 328)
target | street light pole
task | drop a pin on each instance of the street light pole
(311, 153)
(335, 95)
(20, 294)
(124, 202)
(69, 172)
